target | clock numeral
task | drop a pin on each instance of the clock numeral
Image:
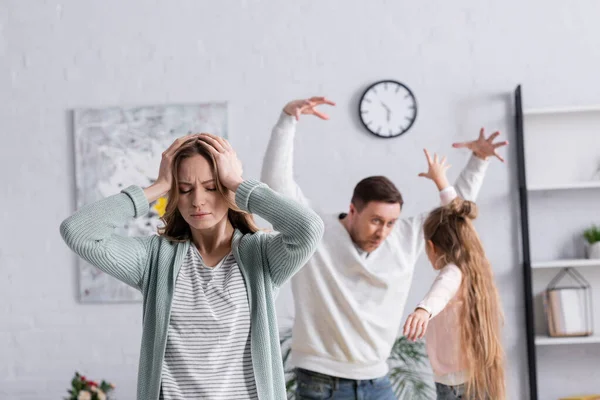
(391, 133)
(364, 111)
(407, 95)
(379, 130)
(385, 85)
(367, 100)
(408, 118)
(374, 90)
(397, 89)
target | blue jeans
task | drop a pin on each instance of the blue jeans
(445, 392)
(314, 386)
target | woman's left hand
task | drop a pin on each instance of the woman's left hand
(229, 166)
(416, 324)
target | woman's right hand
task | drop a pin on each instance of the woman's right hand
(436, 170)
(163, 182)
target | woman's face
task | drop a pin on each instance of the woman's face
(200, 203)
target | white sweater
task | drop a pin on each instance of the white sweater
(348, 307)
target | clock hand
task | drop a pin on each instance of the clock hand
(388, 110)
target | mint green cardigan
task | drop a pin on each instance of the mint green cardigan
(150, 264)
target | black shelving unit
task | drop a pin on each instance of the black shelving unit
(526, 250)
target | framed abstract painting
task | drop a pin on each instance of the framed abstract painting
(117, 147)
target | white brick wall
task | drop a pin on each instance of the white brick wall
(461, 59)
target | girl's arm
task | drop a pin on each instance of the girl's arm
(443, 289)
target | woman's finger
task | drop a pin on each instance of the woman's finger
(219, 139)
(177, 144)
(209, 147)
(226, 145)
(213, 142)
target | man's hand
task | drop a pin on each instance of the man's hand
(298, 107)
(482, 147)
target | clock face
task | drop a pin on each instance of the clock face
(388, 109)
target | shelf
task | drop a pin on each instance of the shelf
(561, 110)
(547, 340)
(595, 184)
(566, 263)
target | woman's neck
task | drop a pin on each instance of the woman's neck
(214, 243)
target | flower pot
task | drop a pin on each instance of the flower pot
(593, 250)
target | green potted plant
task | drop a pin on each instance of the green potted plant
(592, 236)
(408, 373)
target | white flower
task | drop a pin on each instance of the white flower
(94, 389)
(84, 395)
(101, 395)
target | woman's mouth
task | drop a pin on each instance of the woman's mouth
(200, 215)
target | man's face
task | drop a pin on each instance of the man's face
(370, 226)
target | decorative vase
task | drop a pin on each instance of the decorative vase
(593, 250)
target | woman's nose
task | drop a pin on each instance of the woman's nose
(199, 198)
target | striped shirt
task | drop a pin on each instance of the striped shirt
(208, 341)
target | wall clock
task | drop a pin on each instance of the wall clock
(388, 109)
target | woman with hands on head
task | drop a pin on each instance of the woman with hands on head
(209, 278)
